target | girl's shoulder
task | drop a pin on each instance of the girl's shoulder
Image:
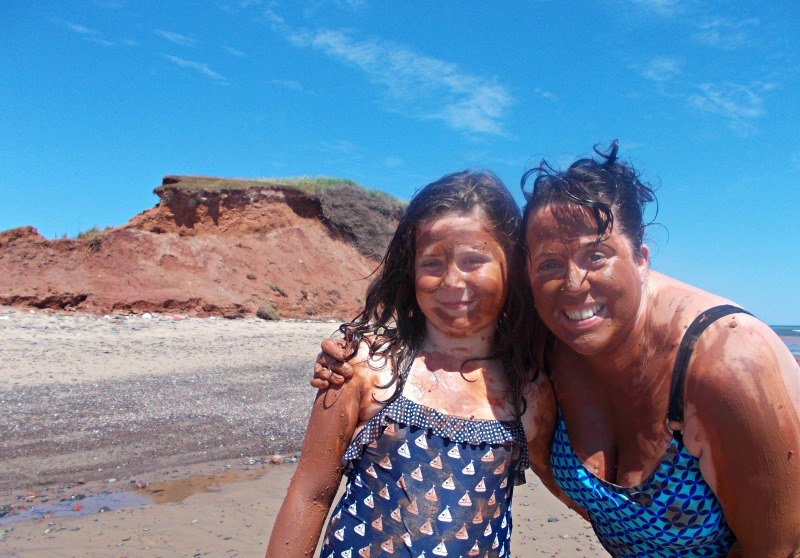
(370, 362)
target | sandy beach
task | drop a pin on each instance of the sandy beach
(166, 436)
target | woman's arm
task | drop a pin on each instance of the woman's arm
(539, 422)
(334, 418)
(743, 420)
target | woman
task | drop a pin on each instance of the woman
(678, 425)
(657, 481)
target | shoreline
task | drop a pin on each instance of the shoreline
(189, 410)
(185, 429)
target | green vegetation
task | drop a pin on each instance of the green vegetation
(277, 289)
(268, 312)
(88, 234)
(304, 184)
(315, 185)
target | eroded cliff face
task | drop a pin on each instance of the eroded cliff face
(226, 252)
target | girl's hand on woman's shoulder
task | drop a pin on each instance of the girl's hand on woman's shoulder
(332, 367)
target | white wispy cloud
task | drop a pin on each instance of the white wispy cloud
(99, 41)
(726, 34)
(196, 66)
(82, 30)
(663, 7)
(237, 53)
(423, 86)
(288, 84)
(271, 17)
(340, 146)
(661, 69)
(176, 38)
(88, 34)
(544, 94)
(740, 105)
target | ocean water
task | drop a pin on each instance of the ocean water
(790, 335)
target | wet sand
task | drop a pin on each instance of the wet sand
(172, 436)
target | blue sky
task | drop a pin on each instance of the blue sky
(99, 100)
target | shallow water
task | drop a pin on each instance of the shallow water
(163, 492)
(789, 335)
(86, 506)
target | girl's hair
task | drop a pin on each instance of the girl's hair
(609, 189)
(393, 324)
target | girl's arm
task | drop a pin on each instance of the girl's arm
(539, 422)
(334, 418)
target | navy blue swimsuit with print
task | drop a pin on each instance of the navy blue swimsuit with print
(674, 513)
(423, 483)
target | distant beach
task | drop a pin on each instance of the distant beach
(791, 336)
(167, 436)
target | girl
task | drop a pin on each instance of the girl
(432, 428)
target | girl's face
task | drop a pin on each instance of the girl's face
(588, 294)
(460, 274)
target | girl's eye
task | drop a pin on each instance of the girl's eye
(548, 266)
(431, 263)
(596, 257)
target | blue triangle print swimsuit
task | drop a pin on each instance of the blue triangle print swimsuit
(674, 513)
(422, 483)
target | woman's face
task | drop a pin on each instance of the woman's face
(460, 274)
(589, 294)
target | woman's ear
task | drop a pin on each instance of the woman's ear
(644, 261)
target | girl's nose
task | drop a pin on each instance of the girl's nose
(453, 277)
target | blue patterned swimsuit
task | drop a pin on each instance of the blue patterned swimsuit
(674, 513)
(422, 483)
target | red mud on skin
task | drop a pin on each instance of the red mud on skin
(225, 253)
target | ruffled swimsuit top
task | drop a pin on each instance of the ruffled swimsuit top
(423, 483)
(674, 513)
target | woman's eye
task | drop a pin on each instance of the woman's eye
(597, 257)
(548, 266)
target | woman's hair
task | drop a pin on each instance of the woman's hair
(392, 322)
(608, 189)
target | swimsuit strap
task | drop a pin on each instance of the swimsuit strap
(698, 326)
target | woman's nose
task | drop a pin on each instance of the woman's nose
(575, 278)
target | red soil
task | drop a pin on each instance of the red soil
(226, 253)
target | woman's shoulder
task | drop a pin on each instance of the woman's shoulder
(671, 297)
(733, 342)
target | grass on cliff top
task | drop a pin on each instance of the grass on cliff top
(305, 184)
